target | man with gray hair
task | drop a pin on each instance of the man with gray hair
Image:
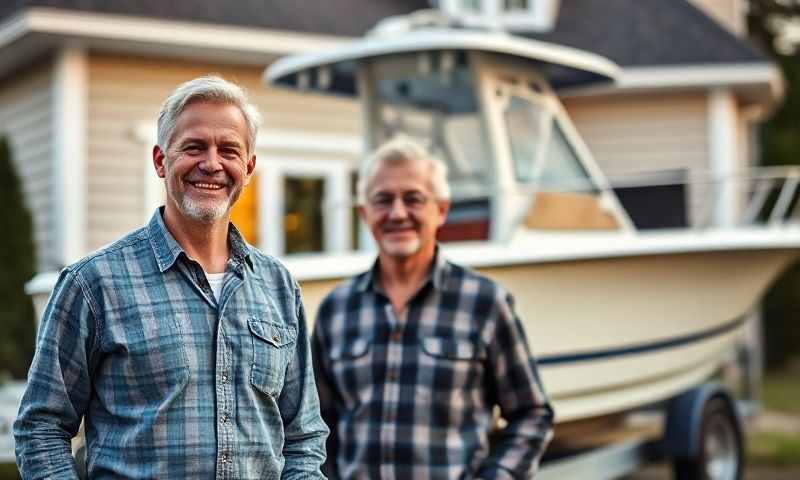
(412, 356)
(181, 347)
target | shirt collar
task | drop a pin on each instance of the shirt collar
(438, 274)
(167, 249)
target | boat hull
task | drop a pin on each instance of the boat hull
(613, 334)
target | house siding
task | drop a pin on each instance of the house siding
(26, 109)
(634, 134)
(125, 93)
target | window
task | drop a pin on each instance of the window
(437, 107)
(522, 15)
(541, 153)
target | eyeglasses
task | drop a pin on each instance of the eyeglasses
(385, 201)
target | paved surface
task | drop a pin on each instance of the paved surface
(663, 472)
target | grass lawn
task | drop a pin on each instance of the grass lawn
(773, 448)
(780, 393)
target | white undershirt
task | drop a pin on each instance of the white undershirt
(215, 280)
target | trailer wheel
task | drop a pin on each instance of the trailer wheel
(720, 455)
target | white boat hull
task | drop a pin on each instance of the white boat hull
(619, 332)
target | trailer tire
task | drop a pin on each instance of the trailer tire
(720, 455)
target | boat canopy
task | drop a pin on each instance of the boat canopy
(334, 71)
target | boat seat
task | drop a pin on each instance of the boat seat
(568, 211)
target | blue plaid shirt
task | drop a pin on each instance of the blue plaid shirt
(171, 383)
(412, 396)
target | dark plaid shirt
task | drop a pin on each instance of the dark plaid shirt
(412, 396)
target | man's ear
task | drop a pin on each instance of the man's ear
(250, 169)
(444, 207)
(362, 213)
(159, 160)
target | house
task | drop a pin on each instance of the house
(81, 83)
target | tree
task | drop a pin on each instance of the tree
(17, 266)
(775, 26)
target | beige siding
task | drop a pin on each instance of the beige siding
(26, 120)
(644, 133)
(126, 93)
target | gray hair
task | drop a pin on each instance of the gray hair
(400, 150)
(209, 88)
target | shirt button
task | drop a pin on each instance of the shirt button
(226, 418)
(397, 335)
(276, 338)
(224, 378)
(392, 375)
(224, 458)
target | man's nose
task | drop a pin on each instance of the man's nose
(211, 161)
(398, 209)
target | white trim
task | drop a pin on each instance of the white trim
(304, 141)
(690, 76)
(335, 205)
(103, 26)
(722, 152)
(70, 151)
(13, 28)
(153, 195)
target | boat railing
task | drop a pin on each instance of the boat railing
(761, 196)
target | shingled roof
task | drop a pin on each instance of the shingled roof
(637, 33)
(632, 33)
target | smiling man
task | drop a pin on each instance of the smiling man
(412, 357)
(183, 349)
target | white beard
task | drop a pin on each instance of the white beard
(203, 213)
(403, 248)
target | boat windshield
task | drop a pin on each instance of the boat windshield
(430, 97)
(541, 153)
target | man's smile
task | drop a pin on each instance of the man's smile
(207, 186)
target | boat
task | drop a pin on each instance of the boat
(626, 301)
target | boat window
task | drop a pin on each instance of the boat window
(434, 103)
(540, 151)
(511, 5)
(471, 6)
(562, 169)
(527, 123)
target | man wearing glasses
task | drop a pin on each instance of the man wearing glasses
(412, 356)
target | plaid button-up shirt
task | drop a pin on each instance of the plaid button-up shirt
(411, 396)
(172, 383)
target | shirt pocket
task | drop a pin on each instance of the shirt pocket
(273, 347)
(449, 365)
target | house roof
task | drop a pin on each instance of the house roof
(640, 33)
(338, 17)
(632, 33)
